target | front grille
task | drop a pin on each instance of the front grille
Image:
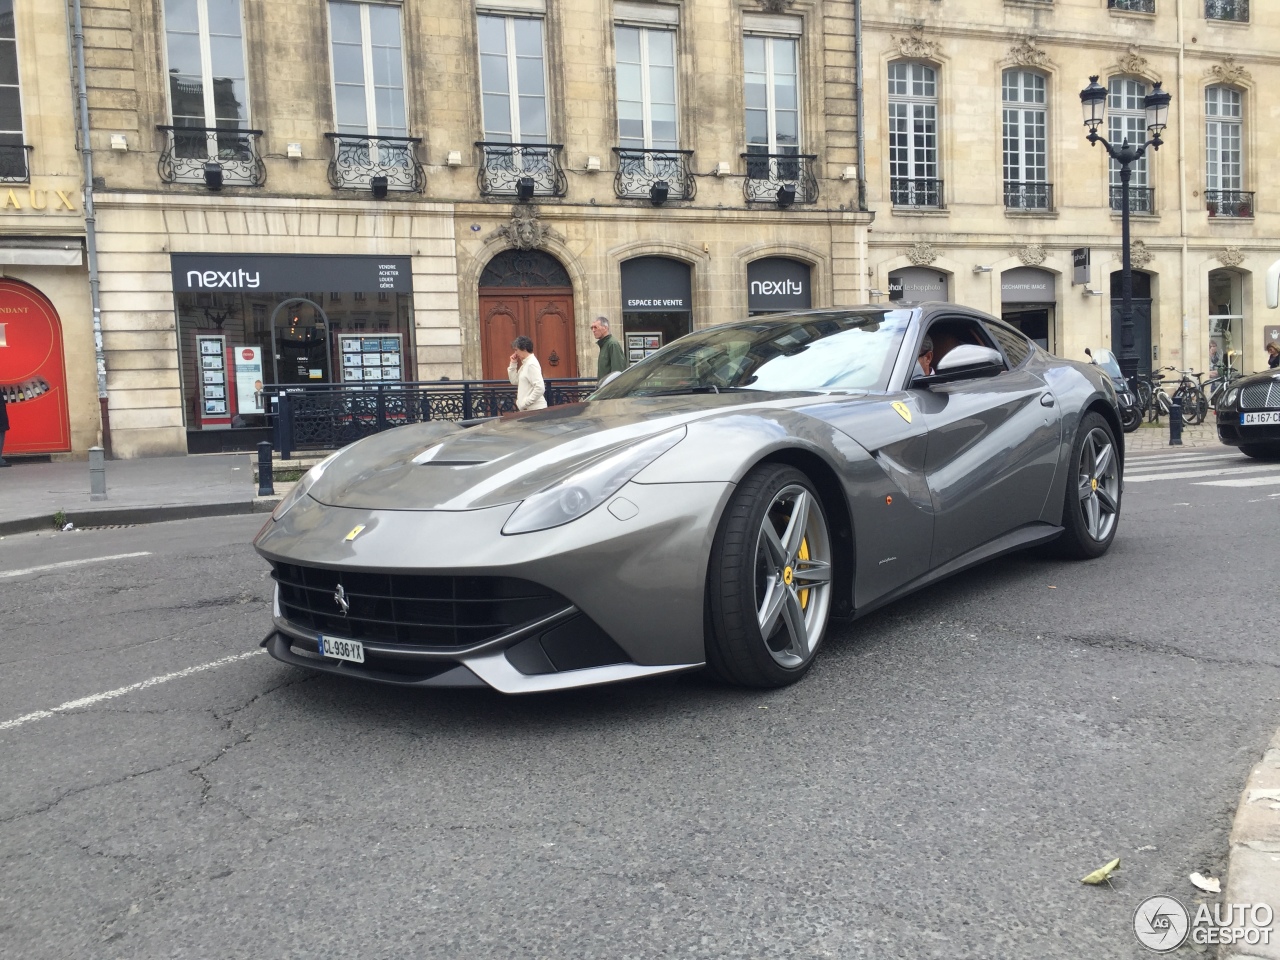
(441, 612)
(1259, 396)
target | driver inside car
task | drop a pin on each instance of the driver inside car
(924, 359)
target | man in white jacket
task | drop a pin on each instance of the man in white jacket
(526, 373)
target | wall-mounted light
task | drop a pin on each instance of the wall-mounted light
(659, 192)
(213, 175)
(454, 158)
(981, 269)
(593, 164)
(722, 169)
(379, 187)
(850, 173)
(524, 189)
(293, 151)
(1093, 293)
(119, 141)
(786, 195)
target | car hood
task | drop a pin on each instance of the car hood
(443, 466)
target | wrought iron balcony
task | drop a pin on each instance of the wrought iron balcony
(773, 177)
(1028, 196)
(1229, 203)
(191, 149)
(14, 163)
(1237, 10)
(522, 170)
(639, 171)
(1134, 6)
(915, 193)
(1141, 199)
(357, 159)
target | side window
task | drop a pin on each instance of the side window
(1016, 347)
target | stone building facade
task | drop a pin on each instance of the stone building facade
(992, 224)
(514, 166)
(47, 363)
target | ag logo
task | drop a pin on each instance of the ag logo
(1161, 924)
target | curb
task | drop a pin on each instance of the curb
(107, 516)
(1253, 867)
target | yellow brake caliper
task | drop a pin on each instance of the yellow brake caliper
(803, 554)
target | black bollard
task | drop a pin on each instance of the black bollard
(266, 476)
(1175, 424)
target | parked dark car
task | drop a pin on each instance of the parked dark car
(1126, 399)
(1249, 415)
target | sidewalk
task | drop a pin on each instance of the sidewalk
(1150, 438)
(138, 491)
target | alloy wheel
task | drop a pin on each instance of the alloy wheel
(1099, 484)
(793, 575)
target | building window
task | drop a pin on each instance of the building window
(513, 83)
(1224, 154)
(1026, 150)
(913, 136)
(1133, 6)
(646, 88)
(1237, 10)
(368, 69)
(772, 86)
(1127, 120)
(13, 150)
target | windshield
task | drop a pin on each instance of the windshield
(830, 351)
(1107, 361)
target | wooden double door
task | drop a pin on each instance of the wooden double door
(543, 314)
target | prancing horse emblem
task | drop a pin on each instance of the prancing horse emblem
(340, 598)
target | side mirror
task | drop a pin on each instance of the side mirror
(968, 361)
(1089, 353)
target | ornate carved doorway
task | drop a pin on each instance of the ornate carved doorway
(527, 292)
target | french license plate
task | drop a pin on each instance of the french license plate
(352, 650)
(1262, 416)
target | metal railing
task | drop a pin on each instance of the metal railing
(1028, 196)
(639, 171)
(1229, 203)
(915, 193)
(1237, 10)
(1141, 199)
(326, 416)
(504, 166)
(1134, 6)
(769, 173)
(190, 149)
(358, 159)
(15, 166)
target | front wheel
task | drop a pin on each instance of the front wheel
(1092, 509)
(769, 582)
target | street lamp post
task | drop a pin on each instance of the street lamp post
(1093, 100)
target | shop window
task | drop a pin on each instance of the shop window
(657, 304)
(1226, 323)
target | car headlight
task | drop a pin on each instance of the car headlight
(302, 487)
(1230, 400)
(582, 492)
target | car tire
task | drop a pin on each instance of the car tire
(1091, 512)
(1131, 419)
(1261, 451)
(769, 581)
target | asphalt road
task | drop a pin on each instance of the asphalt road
(934, 789)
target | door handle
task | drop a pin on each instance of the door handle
(1046, 400)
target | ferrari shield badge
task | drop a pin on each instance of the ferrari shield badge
(903, 410)
(356, 531)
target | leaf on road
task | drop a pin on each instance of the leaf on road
(1102, 874)
(1207, 884)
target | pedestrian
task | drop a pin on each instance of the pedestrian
(1215, 359)
(611, 358)
(4, 426)
(1273, 356)
(526, 373)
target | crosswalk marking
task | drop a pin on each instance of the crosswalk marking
(1267, 481)
(1179, 458)
(1197, 474)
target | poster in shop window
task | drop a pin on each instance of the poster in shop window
(248, 365)
(31, 371)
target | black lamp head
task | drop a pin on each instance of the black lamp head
(659, 192)
(213, 175)
(524, 189)
(379, 187)
(786, 195)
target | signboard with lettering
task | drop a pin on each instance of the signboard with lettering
(32, 375)
(279, 273)
(1027, 285)
(1080, 266)
(917, 284)
(775, 284)
(656, 285)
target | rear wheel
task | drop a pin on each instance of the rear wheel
(1092, 509)
(1131, 419)
(1143, 390)
(769, 582)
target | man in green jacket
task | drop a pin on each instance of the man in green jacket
(611, 358)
